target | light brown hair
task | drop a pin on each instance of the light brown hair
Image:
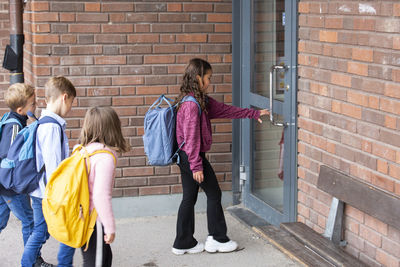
(190, 83)
(102, 124)
(17, 95)
(57, 86)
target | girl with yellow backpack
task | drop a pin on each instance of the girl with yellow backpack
(93, 164)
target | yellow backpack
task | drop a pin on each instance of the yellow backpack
(66, 201)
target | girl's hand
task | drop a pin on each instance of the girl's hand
(109, 238)
(262, 113)
(198, 176)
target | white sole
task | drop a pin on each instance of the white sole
(183, 251)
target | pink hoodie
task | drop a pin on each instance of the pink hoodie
(101, 180)
(196, 130)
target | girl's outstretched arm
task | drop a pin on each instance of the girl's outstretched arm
(218, 110)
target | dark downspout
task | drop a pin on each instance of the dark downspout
(17, 40)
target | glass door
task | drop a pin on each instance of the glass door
(268, 150)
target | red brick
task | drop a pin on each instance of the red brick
(68, 39)
(191, 38)
(150, 90)
(165, 17)
(169, 49)
(357, 68)
(389, 105)
(117, 17)
(328, 36)
(143, 38)
(117, 28)
(394, 171)
(333, 23)
(219, 38)
(80, 60)
(383, 182)
(385, 259)
(341, 79)
(39, 6)
(384, 152)
(103, 91)
(95, 17)
(67, 17)
(86, 50)
(84, 28)
(46, 39)
(174, 7)
(219, 18)
(382, 166)
(376, 225)
(304, 7)
(45, 60)
(392, 90)
(370, 235)
(154, 190)
(363, 54)
(45, 17)
(203, 7)
(396, 9)
(127, 80)
(110, 60)
(112, 7)
(40, 28)
(92, 7)
(364, 24)
(158, 59)
(223, 28)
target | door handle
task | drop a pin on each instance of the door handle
(271, 94)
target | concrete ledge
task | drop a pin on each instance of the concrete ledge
(159, 205)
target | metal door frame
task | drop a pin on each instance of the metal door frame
(241, 82)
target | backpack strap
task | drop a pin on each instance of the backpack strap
(104, 151)
(158, 102)
(14, 121)
(48, 119)
(187, 98)
(93, 216)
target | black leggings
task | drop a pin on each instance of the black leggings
(215, 215)
(89, 256)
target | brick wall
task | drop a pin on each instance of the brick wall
(349, 107)
(4, 40)
(125, 54)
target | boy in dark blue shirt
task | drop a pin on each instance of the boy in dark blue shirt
(20, 98)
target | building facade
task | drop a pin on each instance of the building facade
(329, 69)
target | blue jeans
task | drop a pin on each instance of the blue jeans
(21, 207)
(38, 237)
(65, 256)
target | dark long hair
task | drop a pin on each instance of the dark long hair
(190, 84)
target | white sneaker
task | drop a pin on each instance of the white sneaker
(196, 249)
(213, 245)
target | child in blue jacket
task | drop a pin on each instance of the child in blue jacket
(20, 98)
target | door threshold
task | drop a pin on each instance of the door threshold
(246, 216)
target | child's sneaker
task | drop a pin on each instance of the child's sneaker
(196, 249)
(41, 263)
(213, 245)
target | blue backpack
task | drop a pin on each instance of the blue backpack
(18, 171)
(5, 120)
(159, 132)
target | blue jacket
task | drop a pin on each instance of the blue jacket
(8, 135)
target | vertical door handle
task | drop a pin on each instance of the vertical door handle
(271, 94)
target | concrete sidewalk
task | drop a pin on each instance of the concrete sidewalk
(147, 241)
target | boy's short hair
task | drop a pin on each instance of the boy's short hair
(57, 86)
(17, 95)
